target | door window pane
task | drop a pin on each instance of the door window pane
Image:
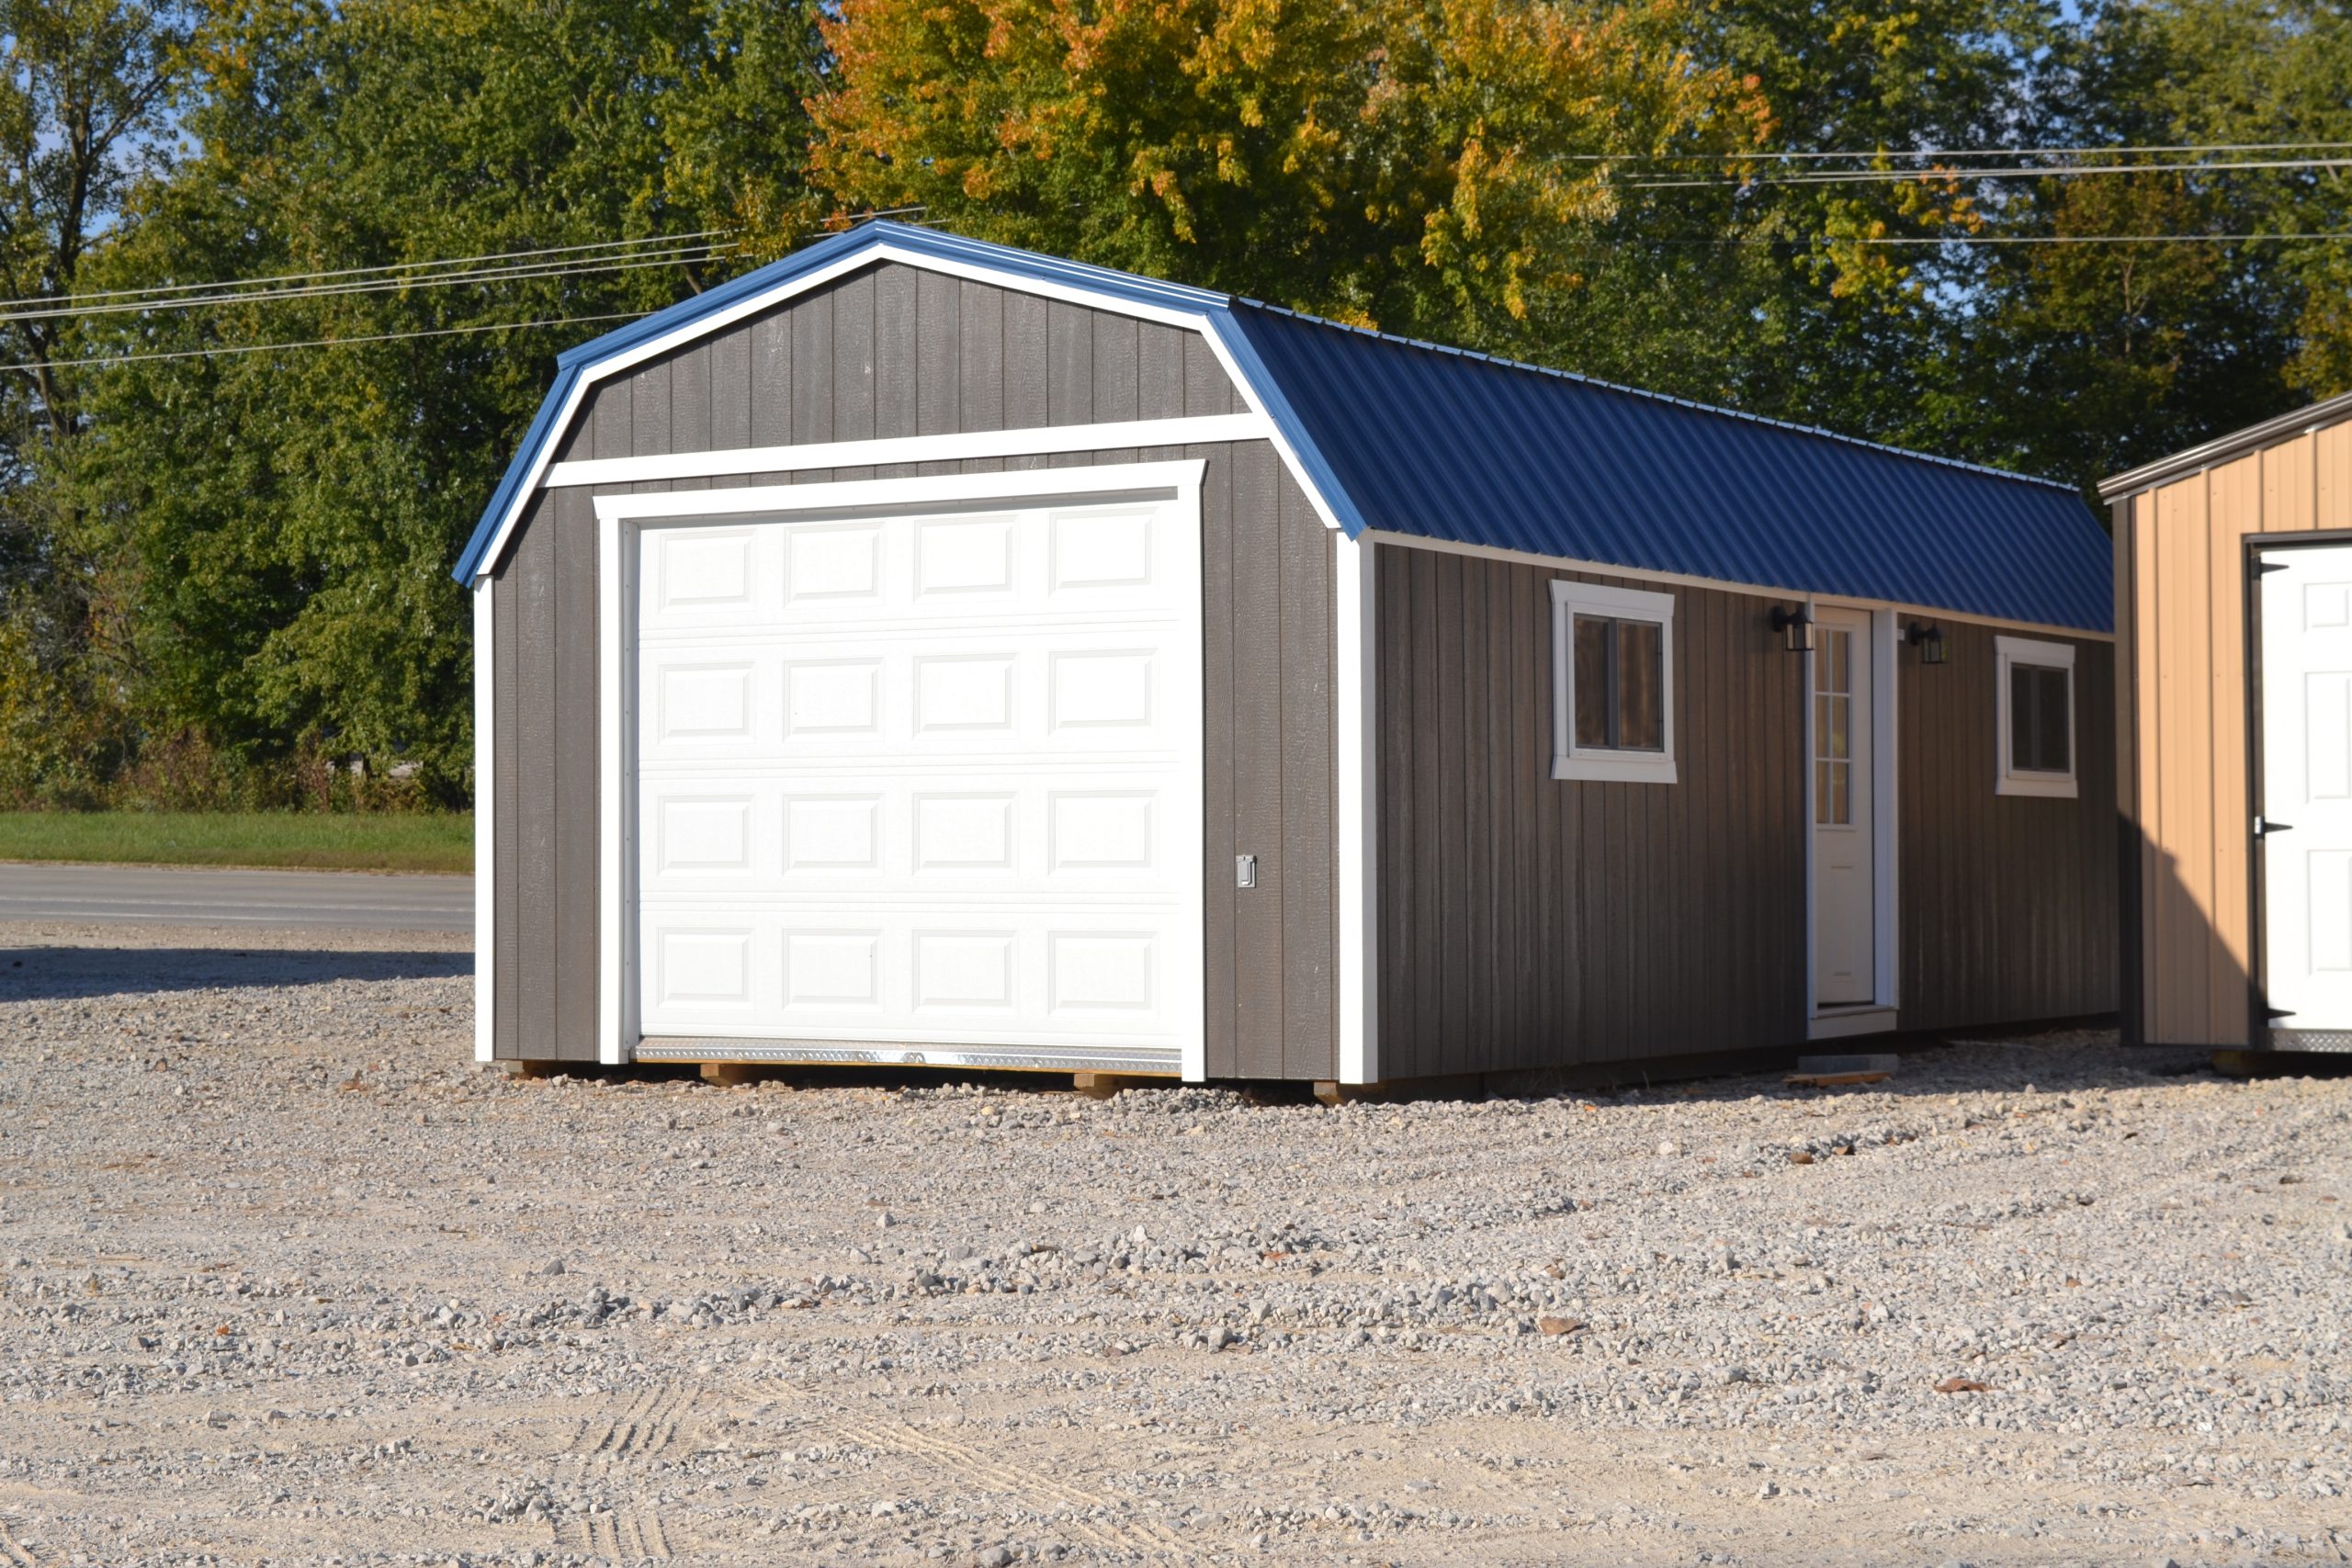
(1833, 739)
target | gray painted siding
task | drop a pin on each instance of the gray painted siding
(2008, 902)
(1530, 923)
(893, 350)
(1527, 921)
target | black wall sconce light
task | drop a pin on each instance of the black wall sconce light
(1795, 628)
(1929, 640)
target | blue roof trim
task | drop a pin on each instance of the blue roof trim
(573, 363)
(1414, 439)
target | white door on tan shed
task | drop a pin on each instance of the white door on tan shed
(2306, 801)
(923, 779)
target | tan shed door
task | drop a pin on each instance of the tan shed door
(925, 780)
(2306, 812)
(1844, 872)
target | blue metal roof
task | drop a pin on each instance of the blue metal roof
(1447, 445)
(1413, 438)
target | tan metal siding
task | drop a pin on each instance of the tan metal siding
(895, 352)
(1529, 922)
(2006, 904)
(2182, 783)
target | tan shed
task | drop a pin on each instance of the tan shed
(2233, 625)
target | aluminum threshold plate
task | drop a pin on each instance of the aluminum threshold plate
(1007, 1058)
(2311, 1039)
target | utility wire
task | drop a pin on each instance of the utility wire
(1952, 152)
(323, 342)
(377, 285)
(1880, 176)
(300, 277)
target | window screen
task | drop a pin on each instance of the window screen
(2040, 727)
(1620, 684)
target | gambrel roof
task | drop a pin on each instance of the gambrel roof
(1409, 438)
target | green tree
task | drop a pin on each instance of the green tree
(293, 515)
(84, 96)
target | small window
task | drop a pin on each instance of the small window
(2036, 697)
(1612, 682)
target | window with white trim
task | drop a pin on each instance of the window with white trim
(1612, 684)
(2036, 700)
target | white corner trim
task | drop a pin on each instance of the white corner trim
(1033, 441)
(1355, 649)
(1622, 767)
(485, 824)
(619, 1013)
(615, 765)
(2008, 779)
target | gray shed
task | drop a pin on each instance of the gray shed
(919, 651)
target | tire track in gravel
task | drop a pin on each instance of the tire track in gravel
(615, 1444)
(12, 1550)
(963, 1461)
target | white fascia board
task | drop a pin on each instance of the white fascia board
(485, 825)
(962, 446)
(1754, 590)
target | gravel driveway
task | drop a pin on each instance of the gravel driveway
(284, 1276)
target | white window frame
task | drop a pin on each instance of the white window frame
(1568, 760)
(2011, 780)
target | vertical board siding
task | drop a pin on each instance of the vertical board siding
(891, 351)
(2006, 904)
(2184, 736)
(1527, 921)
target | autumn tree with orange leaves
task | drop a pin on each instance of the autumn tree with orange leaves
(1435, 164)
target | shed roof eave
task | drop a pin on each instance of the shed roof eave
(2221, 448)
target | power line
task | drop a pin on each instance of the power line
(1952, 152)
(299, 277)
(1880, 176)
(324, 341)
(678, 256)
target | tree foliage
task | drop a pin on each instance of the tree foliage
(233, 564)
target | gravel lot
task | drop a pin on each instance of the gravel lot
(284, 1276)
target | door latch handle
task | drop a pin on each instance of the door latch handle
(2263, 827)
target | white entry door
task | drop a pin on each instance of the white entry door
(1844, 870)
(932, 778)
(2306, 807)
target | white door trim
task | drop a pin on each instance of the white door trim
(967, 446)
(617, 517)
(1354, 743)
(1885, 859)
(485, 821)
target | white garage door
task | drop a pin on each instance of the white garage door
(924, 780)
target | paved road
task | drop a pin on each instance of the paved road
(202, 897)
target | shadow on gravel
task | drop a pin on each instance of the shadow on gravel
(64, 973)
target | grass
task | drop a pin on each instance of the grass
(321, 842)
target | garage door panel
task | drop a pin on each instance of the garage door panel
(1039, 829)
(940, 783)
